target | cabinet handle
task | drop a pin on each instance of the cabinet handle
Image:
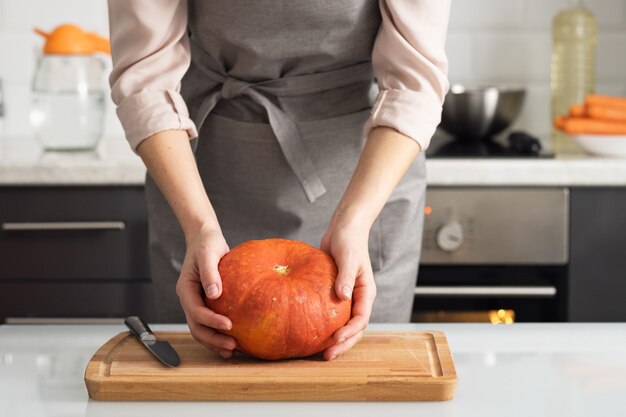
(62, 320)
(466, 291)
(39, 226)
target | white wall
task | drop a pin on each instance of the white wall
(19, 47)
(490, 41)
(509, 41)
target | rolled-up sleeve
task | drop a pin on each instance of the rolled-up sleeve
(150, 51)
(411, 67)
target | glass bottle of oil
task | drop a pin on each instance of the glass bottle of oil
(573, 72)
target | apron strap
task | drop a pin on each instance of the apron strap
(293, 147)
(284, 127)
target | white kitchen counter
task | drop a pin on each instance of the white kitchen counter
(22, 162)
(520, 370)
(578, 171)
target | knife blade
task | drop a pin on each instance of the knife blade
(159, 348)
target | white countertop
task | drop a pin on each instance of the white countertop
(521, 370)
(575, 171)
(22, 162)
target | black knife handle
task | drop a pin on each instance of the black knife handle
(139, 328)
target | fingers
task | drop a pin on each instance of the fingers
(209, 273)
(217, 342)
(325, 243)
(352, 332)
(341, 348)
(346, 276)
(354, 326)
(202, 315)
(364, 295)
(199, 276)
(189, 293)
(202, 321)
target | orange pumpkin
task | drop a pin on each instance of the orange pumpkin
(280, 297)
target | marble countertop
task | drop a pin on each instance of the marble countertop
(23, 162)
(574, 171)
(563, 369)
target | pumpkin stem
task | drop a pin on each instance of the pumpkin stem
(282, 270)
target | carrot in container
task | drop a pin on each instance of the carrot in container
(600, 100)
(614, 113)
(559, 122)
(577, 110)
(585, 125)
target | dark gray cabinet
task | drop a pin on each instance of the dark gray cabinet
(597, 269)
(82, 252)
(73, 252)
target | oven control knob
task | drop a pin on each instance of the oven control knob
(450, 236)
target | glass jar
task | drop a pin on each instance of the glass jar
(68, 101)
(573, 71)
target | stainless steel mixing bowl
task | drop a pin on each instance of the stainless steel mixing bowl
(473, 113)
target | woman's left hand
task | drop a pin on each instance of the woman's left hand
(348, 245)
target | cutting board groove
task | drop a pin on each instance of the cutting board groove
(383, 366)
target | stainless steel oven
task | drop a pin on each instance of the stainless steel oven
(494, 254)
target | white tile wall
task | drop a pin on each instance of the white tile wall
(461, 56)
(509, 42)
(19, 48)
(492, 14)
(21, 15)
(510, 56)
(610, 13)
(490, 41)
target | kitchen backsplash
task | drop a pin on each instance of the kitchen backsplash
(490, 41)
(510, 42)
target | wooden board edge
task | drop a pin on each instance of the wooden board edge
(443, 350)
(442, 389)
(448, 366)
(444, 386)
(93, 379)
(153, 391)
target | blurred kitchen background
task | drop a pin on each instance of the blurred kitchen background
(489, 41)
(506, 239)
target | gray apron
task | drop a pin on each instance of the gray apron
(280, 91)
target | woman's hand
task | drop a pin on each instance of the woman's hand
(348, 245)
(199, 274)
(384, 160)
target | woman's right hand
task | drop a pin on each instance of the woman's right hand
(199, 275)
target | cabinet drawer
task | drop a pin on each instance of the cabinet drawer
(75, 299)
(73, 233)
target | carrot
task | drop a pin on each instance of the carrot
(596, 99)
(577, 110)
(616, 114)
(559, 122)
(585, 125)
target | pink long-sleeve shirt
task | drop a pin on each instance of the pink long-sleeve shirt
(151, 54)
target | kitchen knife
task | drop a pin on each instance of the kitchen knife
(159, 348)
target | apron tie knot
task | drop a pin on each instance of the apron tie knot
(232, 87)
(284, 126)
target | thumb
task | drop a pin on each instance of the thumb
(325, 243)
(210, 276)
(344, 283)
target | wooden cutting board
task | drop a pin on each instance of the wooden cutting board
(383, 366)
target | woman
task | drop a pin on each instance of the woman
(278, 95)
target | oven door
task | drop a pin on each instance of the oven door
(494, 294)
(494, 254)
